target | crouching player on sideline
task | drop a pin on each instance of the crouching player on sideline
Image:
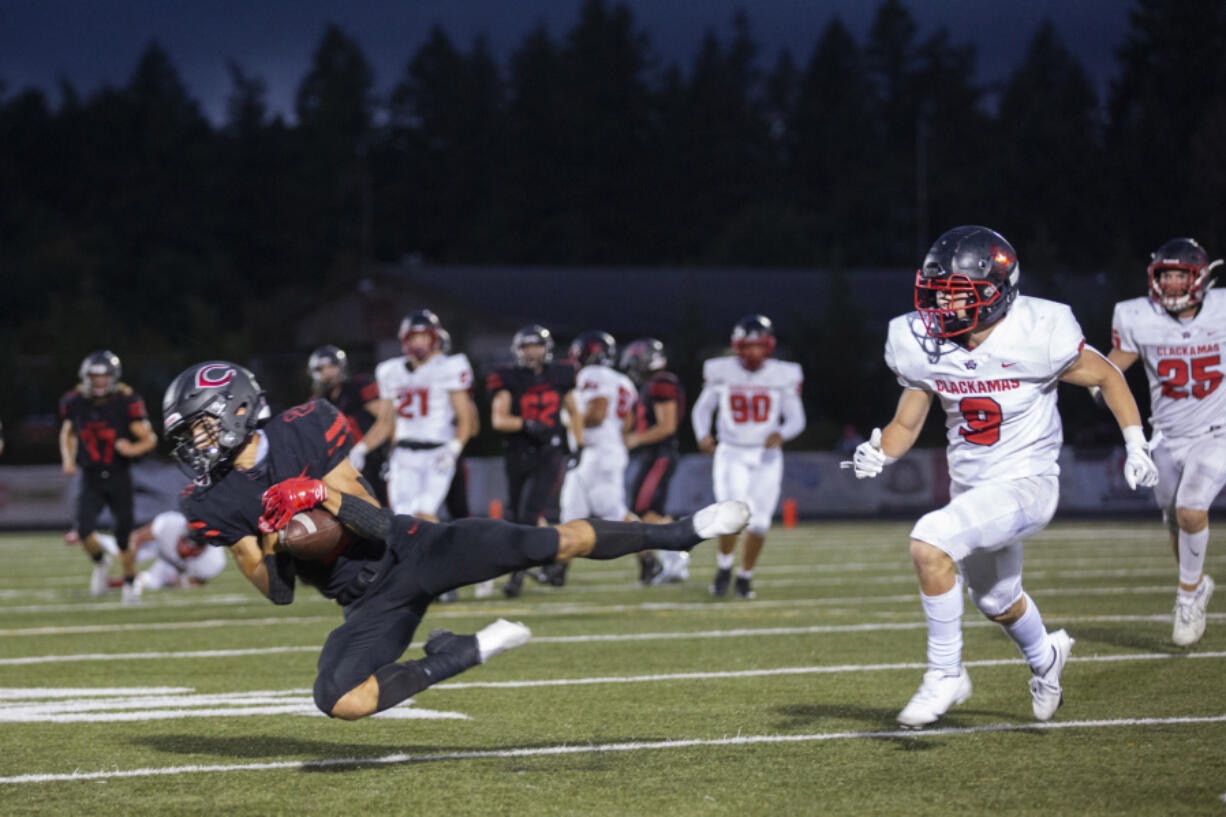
(993, 358)
(252, 472)
(177, 560)
(1171, 330)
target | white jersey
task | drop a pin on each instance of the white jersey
(603, 381)
(1183, 361)
(422, 396)
(999, 398)
(752, 404)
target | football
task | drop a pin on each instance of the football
(314, 534)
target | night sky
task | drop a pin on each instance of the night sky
(97, 42)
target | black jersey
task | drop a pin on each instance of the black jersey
(534, 397)
(99, 422)
(661, 387)
(355, 393)
(305, 441)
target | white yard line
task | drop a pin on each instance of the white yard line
(679, 635)
(544, 751)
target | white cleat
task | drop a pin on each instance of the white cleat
(100, 580)
(1190, 616)
(483, 590)
(499, 636)
(1045, 688)
(131, 594)
(676, 567)
(936, 694)
(721, 519)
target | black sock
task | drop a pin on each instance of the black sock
(451, 655)
(614, 539)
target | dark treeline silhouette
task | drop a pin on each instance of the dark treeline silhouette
(130, 220)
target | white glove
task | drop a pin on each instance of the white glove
(448, 453)
(869, 460)
(357, 456)
(1139, 469)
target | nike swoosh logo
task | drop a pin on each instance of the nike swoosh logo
(1007, 365)
(1195, 553)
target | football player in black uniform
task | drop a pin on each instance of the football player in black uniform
(253, 472)
(357, 397)
(653, 447)
(526, 404)
(103, 428)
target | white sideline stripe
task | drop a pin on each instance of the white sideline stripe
(468, 610)
(573, 639)
(165, 625)
(739, 740)
(28, 693)
(821, 670)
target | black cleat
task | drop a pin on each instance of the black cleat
(719, 585)
(649, 568)
(514, 585)
(554, 574)
(743, 589)
(450, 654)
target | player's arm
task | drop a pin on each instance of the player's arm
(142, 442)
(666, 425)
(793, 412)
(68, 447)
(573, 418)
(463, 417)
(1121, 359)
(1092, 370)
(902, 431)
(271, 572)
(501, 417)
(597, 410)
(701, 416)
(381, 429)
(140, 536)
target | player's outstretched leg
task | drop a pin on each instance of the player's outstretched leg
(614, 539)
(447, 655)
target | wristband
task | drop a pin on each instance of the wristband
(360, 447)
(454, 447)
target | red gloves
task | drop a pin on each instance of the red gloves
(287, 498)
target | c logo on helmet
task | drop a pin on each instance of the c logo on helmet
(214, 375)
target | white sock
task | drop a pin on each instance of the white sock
(1030, 636)
(1192, 547)
(724, 561)
(744, 574)
(944, 614)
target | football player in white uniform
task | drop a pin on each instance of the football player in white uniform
(429, 394)
(604, 401)
(993, 359)
(177, 560)
(759, 405)
(1178, 331)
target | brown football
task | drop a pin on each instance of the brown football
(313, 534)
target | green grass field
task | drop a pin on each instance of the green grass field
(628, 700)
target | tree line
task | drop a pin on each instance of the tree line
(130, 220)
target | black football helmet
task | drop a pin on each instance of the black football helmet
(208, 412)
(974, 267)
(593, 348)
(643, 356)
(419, 320)
(753, 340)
(328, 356)
(532, 335)
(101, 362)
(1185, 255)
